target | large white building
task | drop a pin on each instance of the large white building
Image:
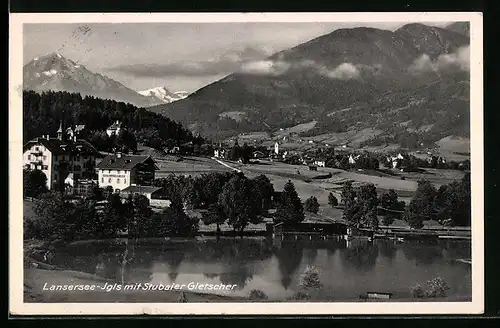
(120, 171)
(59, 157)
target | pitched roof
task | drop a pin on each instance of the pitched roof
(141, 189)
(123, 162)
(61, 147)
(115, 125)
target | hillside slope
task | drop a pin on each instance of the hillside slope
(415, 75)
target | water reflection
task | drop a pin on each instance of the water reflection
(275, 267)
(360, 255)
(387, 250)
(422, 253)
(237, 275)
(289, 256)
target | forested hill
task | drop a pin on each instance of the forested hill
(43, 112)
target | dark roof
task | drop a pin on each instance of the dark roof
(141, 189)
(124, 162)
(62, 147)
(115, 125)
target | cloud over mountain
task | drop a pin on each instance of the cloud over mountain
(460, 59)
(226, 63)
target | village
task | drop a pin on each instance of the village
(76, 167)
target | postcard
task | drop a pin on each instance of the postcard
(257, 163)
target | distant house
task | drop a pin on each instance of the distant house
(114, 129)
(276, 148)
(258, 154)
(75, 131)
(220, 153)
(173, 150)
(396, 161)
(320, 163)
(353, 158)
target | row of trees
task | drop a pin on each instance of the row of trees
(450, 205)
(60, 219)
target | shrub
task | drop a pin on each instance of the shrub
(310, 278)
(300, 296)
(417, 291)
(256, 294)
(332, 200)
(437, 287)
(312, 205)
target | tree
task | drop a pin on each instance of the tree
(214, 214)
(262, 192)
(368, 203)
(360, 208)
(389, 201)
(234, 153)
(332, 200)
(348, 197)
(245, 153)
(56, 216)
(422, 206)
(35, 183)
(290, 208)
(237, 201)
(113, 216)
(311, 205)
(452, 203)
(87, 220)
(126, 141)
(96, 193)
(141, 215)
(177, 221)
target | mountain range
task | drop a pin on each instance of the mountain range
(413, 80)
(57, 73)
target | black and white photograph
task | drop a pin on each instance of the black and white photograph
(246, 164)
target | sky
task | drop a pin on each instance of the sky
(179, 56)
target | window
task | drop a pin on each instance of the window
(44, 167)
(102, 180)
(118, 180)
(109, 180)
(124, 181)
(44, 157)
(37, 148)
(29, 157)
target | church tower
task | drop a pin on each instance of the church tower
(60, 131)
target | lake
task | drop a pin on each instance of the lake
(347, 269)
